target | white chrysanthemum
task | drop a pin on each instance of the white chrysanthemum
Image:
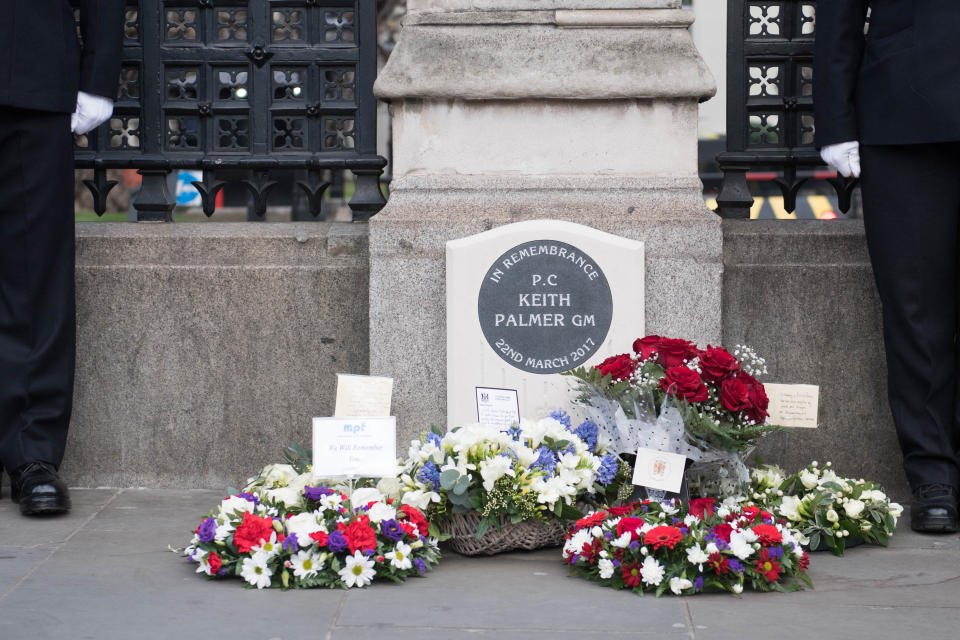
(400, 556)
(357, 571)
(651, 571)
(668, 508)
(749, 535)
(306, 564)
(623, 541)
(739, 545)
(712, 548)
(278, 475)
(303, 524)
(677, 585)
(255, 570)
(696, 555)
(575, 544)
(381, 511)
(420, 499)
(606, 568)
(738, 588)
(235, 505)
(268, 548)
(854, 508)
(332, 501)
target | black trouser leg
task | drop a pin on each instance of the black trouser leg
(911, 204)
(37, 309)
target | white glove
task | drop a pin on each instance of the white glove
(844, 157)
(92, 111)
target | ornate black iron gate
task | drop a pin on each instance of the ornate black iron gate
(770, 102)
(241, 88)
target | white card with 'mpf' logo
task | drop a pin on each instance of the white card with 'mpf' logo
(659, 470)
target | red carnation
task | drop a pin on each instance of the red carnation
(768, 534)
(631, 525)
(767, 566)
(717, 364)
(664, 536)
(417, 518)
(591, 520)
(702, 507)
(410, 529)
(750, 512)
(723, 531)
(252, 531)
(631, 574)
(646, 347)
(684, 383)
(619, 511)
(734, 395)
(757, 401)
(360, 535)
(214, 561)
(673, 352)
(617, 367)
(320, 537)
(719, 563)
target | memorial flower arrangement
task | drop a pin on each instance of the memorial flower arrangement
(283, 530)
(535, 470)
(830, 511)
(686, 549)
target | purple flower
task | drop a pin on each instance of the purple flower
(392, 529)
(775, 552)
(616, 563)
(546, 460)
(562, 417)
(249, 497)
(434, 438)
(698, 584)
(736, 566)
(634, 544)
(208, 530)
(608, 470)
(422, 568)
(315, 493)
(222, 572)
(514, 432)
(290, 543)
(429, 474)
(336, 542)
(587, 431)
(609, 535)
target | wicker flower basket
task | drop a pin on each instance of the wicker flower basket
(528, 535)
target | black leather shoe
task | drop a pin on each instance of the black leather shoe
(934, 509)
(39, 490)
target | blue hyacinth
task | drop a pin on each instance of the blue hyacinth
(430, 475)
(514, 432)
(562, 417)
(607, 471)
(434, 438)
(587, 431)
(546, 460)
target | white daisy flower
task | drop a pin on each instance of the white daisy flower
(306, 564)
(400, 556)
(255, 570)
(358, 570)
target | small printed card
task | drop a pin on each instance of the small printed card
(497, 407)
(659, 470)
(363, 395)
(793, 405)
(354, 447)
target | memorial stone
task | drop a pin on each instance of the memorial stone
(529, 300)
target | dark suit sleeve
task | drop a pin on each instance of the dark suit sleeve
(101, 27)
(838, 51)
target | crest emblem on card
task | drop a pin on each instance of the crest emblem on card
(659, 468)
(485, 397)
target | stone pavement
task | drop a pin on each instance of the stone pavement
(104, 572)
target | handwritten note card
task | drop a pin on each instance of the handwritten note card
(497, 407)
(659, 470)
(363, 395)
(793, 405)
(354, 447)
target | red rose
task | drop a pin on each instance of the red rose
(673, 352)
(617, 367)
(631, 525)
(702, 507)
(757, 401)
(251, 532)
(768, 534)
(320, 537)
(723, 531)
(414, 516)
(359, 535)
(663, 536)
(214, 561)
(734, 395)
(646, 347)
(684, 383)
(716, 364)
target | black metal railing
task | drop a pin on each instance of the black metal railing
(241, 89)
(770, 103)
